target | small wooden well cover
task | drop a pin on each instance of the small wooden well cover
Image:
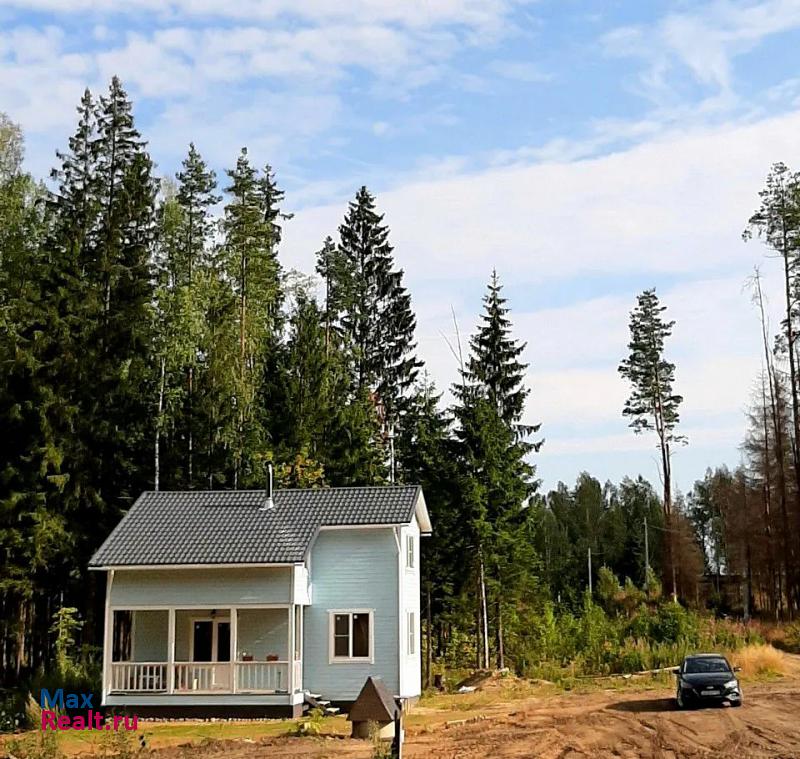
(375, 703)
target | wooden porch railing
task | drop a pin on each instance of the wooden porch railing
(202, 676)
(262, 676)
(139, 677)
(205, 677)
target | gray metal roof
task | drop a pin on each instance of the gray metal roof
(230, 527)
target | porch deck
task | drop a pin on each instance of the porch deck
(190, 655)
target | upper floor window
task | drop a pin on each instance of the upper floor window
(410, 557)
(351, 635)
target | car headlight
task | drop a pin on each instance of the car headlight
(732, 684)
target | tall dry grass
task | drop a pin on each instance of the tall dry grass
(760, 659)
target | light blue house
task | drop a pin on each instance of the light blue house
(235, 602)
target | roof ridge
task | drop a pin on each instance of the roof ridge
(396, 486)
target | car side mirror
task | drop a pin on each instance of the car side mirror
(737, 669)
(676, 670)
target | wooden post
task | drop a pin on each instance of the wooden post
(290, 652)
(397, 741)
(108, 636)
(171, 651)
(234, 646)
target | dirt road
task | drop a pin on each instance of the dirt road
(597, 725)
(646, 725)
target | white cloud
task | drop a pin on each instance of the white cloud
(668, 213)
(521, 71)
(480, 15)
(674, 205)
(704, 40)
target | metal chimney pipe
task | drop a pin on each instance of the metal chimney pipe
(269, 503)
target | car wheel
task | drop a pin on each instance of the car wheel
(736, 703)
(679, 699)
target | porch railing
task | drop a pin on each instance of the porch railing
(137, 677)
(215, 677)
(194, 676)
(262, 676)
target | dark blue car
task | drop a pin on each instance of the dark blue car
(707, 679)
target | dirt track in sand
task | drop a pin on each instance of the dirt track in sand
(644, 724)
(598, 725)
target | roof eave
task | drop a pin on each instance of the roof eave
(421, 512)
(194, 565)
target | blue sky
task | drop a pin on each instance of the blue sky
(587, 150)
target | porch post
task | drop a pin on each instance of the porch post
(290, 652)
(234, 646)
(108, 631)
(171, 651)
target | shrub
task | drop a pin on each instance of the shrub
(608, 589)
(312, 724)
(37, 744)
(760, 659)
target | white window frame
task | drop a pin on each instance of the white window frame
(214, 636)
(411, 553)
(332, 659)
(411, 633)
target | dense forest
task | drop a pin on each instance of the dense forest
(150, 338)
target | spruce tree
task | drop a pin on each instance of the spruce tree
(35, 548)
(196, 195)
(373, 307)
(493, 366)
(193, 203)
(271, 198)
(496, 479)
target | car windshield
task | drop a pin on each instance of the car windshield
(705, 665)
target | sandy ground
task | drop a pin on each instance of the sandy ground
(644, 724)
(598, 725)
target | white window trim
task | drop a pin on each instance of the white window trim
(411, 630)
(351, 659)
(411, 552)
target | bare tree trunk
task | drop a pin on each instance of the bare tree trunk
(791, 584)
(772, 381)
(190, 430)
(501, 656)
(157, 442)
(485, 615)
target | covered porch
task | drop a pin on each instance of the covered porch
(199, 652)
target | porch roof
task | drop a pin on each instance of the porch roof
(230, 527)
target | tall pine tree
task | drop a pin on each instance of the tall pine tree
(653, 405)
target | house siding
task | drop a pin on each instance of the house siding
(352, 569)
(149, 639)
(410, 663)
(210, 586)
(262, 632)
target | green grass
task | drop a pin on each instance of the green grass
(162, 734)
